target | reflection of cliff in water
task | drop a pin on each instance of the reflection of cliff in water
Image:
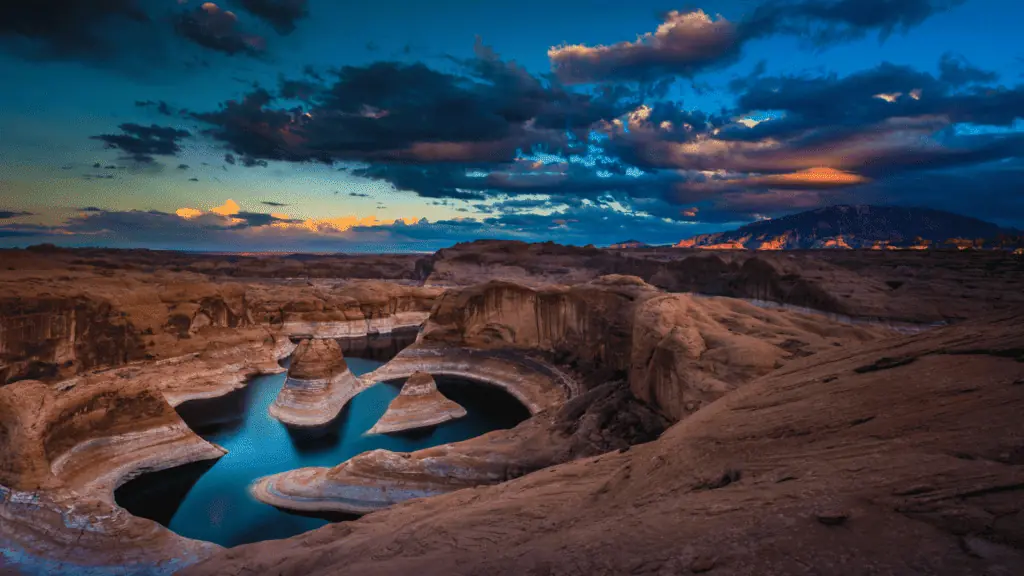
(158, 495)
(379, 347)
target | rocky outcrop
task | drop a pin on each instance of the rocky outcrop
(586, 327)
(65, 315)
(848, 227)
(537, 384)
(688, 351)
(419, 405)
(318, 386)
(46, 337)
(65, 447)
(912, 467)
(601, 420)
(678, 351)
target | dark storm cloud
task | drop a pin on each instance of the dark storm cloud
(141, 143)
(249, 162)
(250, 128)
(212, 27)
(273, 204)
(687, 43)
(304, 90)
(358, 195)
(956, 71)
(68, 27)
(281, 14)
(160, 106)
(390, 111)
(828, 21)
(7, 214)
(182, 166)
(260, 219)
(230, 159)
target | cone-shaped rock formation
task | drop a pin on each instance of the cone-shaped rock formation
(420, 405)
(319, 385)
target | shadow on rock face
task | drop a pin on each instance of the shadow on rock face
(157, 496)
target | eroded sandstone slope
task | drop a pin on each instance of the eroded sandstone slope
(671, 354)
(904, 456)
(58, 322)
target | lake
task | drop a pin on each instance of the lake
(211, 501)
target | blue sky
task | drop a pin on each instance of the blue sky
(423, 124)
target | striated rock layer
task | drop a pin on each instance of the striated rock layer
(536, 383)
(65, 448)
(63, 315)
(419, 405)
(672, 354)
(904, 456)
(318, 386)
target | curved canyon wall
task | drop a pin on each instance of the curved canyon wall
(55, 327)
(677, 351)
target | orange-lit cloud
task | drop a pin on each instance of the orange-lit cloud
(812, 178)
(188, 213)
(228, 209)
(889, 97)
(684, 42)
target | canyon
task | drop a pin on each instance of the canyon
(727, 412)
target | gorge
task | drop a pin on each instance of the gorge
(589, 395)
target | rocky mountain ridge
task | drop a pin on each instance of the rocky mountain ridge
(858, 227)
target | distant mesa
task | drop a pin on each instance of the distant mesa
(419, 405)
(861, 227)
(629, 244)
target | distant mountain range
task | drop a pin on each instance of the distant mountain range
(629, 244)
(860, 227)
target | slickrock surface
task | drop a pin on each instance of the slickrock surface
(910, 286)
(676, 352)
(903, 455)
(679, 352)
(419, 405)
(318, 386)
(65, 447)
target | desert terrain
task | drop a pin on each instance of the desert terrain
(724, 412)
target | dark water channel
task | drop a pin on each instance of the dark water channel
(211, 501)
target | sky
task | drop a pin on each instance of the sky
(404, 125)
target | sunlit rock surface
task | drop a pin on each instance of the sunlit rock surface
(65, 447)
(536, 383)
(419, 405)
(318, 386)
(903, 453)
(669, 354)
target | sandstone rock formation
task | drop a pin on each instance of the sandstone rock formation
(678, 352)
(66, 314)
(318, 386)
(419, 405)
(65, 447)
(917, 461)
(536, 383)
(916, 287)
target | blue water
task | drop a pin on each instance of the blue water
(211, 501)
